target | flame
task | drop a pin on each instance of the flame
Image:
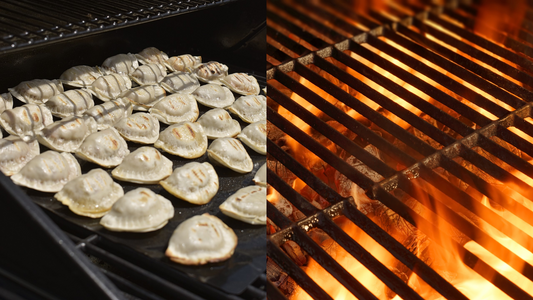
(444, 257)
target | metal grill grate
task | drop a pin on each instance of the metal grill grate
(27, 22)
(461, 92)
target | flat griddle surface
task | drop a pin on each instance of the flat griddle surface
(233, 275)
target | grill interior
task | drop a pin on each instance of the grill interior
(133, 263)
(424, 106)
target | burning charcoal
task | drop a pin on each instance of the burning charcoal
(271, 227)
(347, 188)
(295, 252)
(296, 215)
(274, 133)
(273, 270)
(280, 170)
(283, 205)
(316, 200)
(426, 139)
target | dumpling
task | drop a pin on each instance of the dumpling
(144, 97)
(214, 95)
(217, 123)
(260, 177)
(90, 195)
(255, 136)
(110, 87)
(16, 153)
(152, 55)
(108, 113)
(194, 182)
(182, 62)
(105, 148)
(67, 134)
(149, 74)
(140, 210)
(249, 108)
(121, 64)
(200, 240)
(186, 139)
(140, 128)
(48, 172)
(210, 72)
(241, 83)
(80, 76)
(37, 91)
(6, 102)
(144, 165)
(70, 103)
(247, 204)
(230, 153)
(180, 82)
(25, 120)
(176, 108)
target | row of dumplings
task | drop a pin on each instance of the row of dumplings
(97, 133)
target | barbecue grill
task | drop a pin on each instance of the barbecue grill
(48, 252)
(400, 141)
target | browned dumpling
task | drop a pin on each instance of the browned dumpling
(217, 123)
(176, 108)
(194, 182)
(186, 139)
(250, 109)
(144, 165)
(141, 128)
(230, 153)
(16, 153)
(37, 91)
(247, 204)
(25, 120)
(255, 136)
(90, 195)
(200, 240)
(140, 210)
(241, 83)
(48, 172)
(66, 135)
(105, 148)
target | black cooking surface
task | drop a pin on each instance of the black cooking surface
(233, 275)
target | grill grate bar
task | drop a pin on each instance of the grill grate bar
(347, 12)
(296, 30)
(411, 98)
(316, 25)
(333, 20)
(470, 74)
(319, 150)
(464, 205)
(364, 257)
(469, 229)
(482, 56)
(332, 266)
(304, 281)
(484, 43)
(286, 41)
(27, 23)
(424, 87)
(290, 194)
(335, 136)
(469, 258)
(346, 120)
(436, 76)
(394, 247)
(362, 108)
(316, 184)
(277, 217)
